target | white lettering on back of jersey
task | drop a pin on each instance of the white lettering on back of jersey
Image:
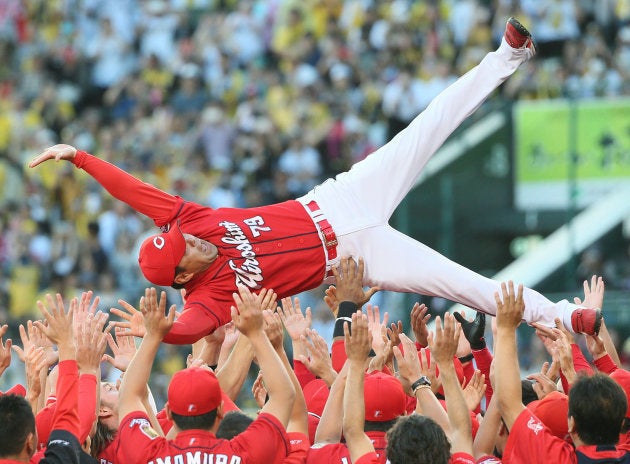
(198, 457)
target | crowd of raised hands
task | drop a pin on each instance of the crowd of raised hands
(376, 393)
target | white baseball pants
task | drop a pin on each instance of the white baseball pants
(359, 203)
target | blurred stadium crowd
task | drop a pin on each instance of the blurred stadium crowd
(237, 103)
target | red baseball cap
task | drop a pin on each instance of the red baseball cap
(194, 391)
(15, 390)
(622, 377)
(553, 412)
(160, 254)
(385, 398)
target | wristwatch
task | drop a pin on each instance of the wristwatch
(422, 381)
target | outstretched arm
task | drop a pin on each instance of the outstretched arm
(142, 197)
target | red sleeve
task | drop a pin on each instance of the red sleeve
(142, 197)
(579, 361)
(136, 429)
(66, 415)
(369, 458)
(87, 404)
(530, 441)
(164, 421)
(483, 359)
(270, 437)
(461, 458)
(298, 448)
(469, 370)
(191, 326)
(303, 375)
(338, 354)
(605, 364)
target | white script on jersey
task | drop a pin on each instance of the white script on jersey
(249, 272)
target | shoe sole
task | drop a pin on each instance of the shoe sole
(519, 27)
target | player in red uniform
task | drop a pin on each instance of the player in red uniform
(18, 435)
(597, 404)
(194, 398)
(291, 246)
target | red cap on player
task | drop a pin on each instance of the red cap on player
(160, 254)
(553, 411)
(194, 391)
(385, 398)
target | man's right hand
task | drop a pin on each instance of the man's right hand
(56, 152)
(349, 282)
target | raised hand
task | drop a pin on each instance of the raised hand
(56, 152)
(419, 320)
(5, 349)
(358, 343)
(318, 361)
(543, 383)
(593, 294)
(595, 345)
(85, 308)
(409, 369)
(91, 343)
(59, 322)
(475, 389)
(294, 321)
(510, 307)
(259, 391)
(273, 328)
(157, 322)
(247, 314)
(473, 330)
(443, 344)
(375, 325)
(31, 336)
(123, 348)
(133, 319)
(349, 282)
(35, 362)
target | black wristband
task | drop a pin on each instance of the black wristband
(344, 314)
(338, 331)
(467, 358)
(347, 309)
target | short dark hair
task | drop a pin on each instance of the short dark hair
(376, 426)
(417, 439)
(201, 421)
(233, 423)
(175, 285)
(527, 391)
(598, 406)
(16, 422)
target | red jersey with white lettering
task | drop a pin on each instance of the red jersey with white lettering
(258, 247)
(298, 448)
(333, 453)
(264, 441)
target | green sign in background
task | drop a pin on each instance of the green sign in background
(543, 139)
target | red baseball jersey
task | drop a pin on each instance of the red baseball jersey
(299, 446)
(333, 453)
(264, 441)
(258, 247)
(530, 441)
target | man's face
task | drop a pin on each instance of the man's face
(108, 410)
(199, 254)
